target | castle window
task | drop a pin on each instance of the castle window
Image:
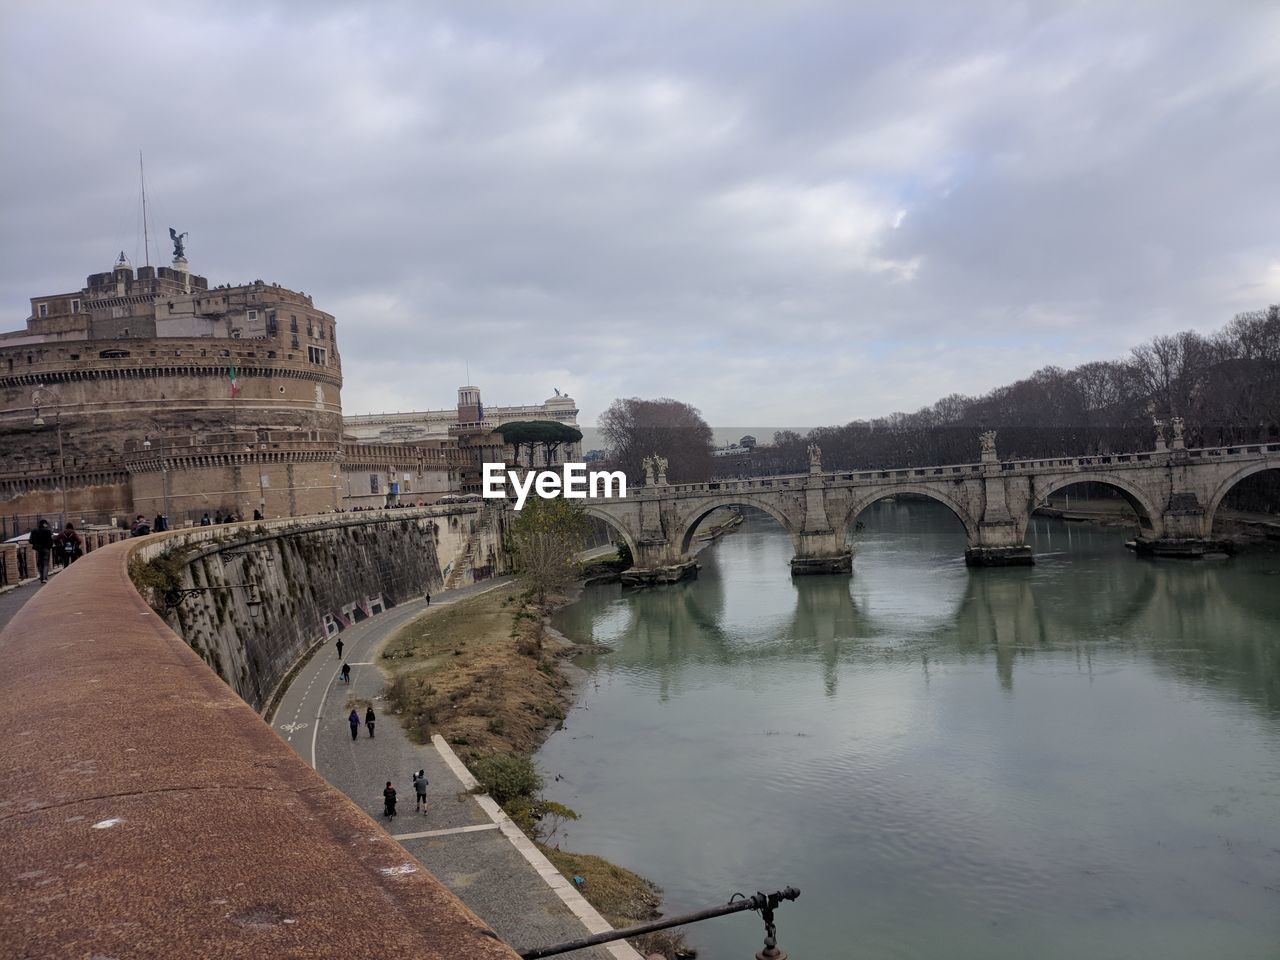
(315, 354)
(271, 323)
(373, 483)
(253, 316)
(293, 323)
(75, 306)
(42, 309)
(310, 330)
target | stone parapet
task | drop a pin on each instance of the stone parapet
(149, 812)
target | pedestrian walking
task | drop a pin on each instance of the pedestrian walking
(354, 720)
(41, 541)
(420, 790)
(69, 545)
(346, 673)
(428, 598)
(369, 719)
(339, 646)
(389, 801)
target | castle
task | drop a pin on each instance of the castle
(147, 391)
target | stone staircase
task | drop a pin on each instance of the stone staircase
(462, 565)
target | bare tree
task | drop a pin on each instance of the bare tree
(546, 536)
(635, 428)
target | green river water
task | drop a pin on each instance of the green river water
(1076, 759)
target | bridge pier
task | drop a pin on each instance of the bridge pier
(1183, 530)
(1000, 541)
(654, 563)
(1010, 556)
(1190, 548)
(821, 551)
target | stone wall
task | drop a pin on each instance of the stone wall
(314, 578)
(151, 813)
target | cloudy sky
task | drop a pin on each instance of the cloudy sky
(784, 213)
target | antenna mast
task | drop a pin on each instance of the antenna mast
(146, 236)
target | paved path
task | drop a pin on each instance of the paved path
(455, 838)
(11, 600)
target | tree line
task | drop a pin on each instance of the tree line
(1225, 387)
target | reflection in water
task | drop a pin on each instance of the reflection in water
(1079, 758)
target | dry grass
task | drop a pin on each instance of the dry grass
(478, 672)
(622, 897)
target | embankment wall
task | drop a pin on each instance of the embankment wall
(269, 591)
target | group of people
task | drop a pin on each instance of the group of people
(64, 547)
(419, 791)
(400, 504)
(354, 720)
(218, 517)
(370, 721)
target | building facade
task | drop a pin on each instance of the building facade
(147, 391)
(468, 431)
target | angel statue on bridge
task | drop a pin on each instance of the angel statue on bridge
(815, 458)
(660, 467)
(988, 441)
(647, 464)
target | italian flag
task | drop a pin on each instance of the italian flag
(235, 384)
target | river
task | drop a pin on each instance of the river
(1075, 759)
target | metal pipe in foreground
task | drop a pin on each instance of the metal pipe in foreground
(765, 902)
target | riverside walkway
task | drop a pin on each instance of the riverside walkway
(457, 839)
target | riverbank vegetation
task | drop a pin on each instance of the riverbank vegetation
(485, 673)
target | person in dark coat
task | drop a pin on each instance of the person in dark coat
(389, 801)
(68, 544)
(369, 719)
(346, 674)
(41, 541)
(354, 720)
(339, 646)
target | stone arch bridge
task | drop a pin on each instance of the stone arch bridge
(1174, 491)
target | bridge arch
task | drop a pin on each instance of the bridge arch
(614, 523)
(1228, 484)
(1148, 512)
(930, 491)
(697, 512)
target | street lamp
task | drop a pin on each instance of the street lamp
(174, 597)
(42, 397)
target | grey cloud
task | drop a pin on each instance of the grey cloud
(790, 213)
